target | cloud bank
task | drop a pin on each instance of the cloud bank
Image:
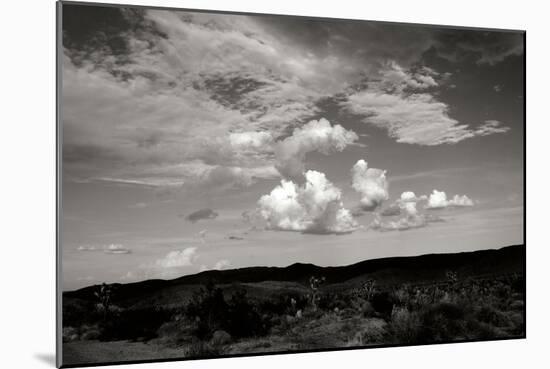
(411, 219)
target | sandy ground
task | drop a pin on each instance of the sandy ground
(84, 352)
(327, 332)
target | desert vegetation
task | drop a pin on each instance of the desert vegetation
(239, 318)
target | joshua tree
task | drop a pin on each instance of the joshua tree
(368, 288)
(104, 297)
(452, 277)
(314, 284)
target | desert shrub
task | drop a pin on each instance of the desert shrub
(517, 321)
(382, 303)
(134, 324)
(367, 310)
(78, 312)
(176, 333)
(404, 326)
(443, 322)
(518, 284)
(70, 334)
(311, 314)
(211, 312)
(220, 338)
(348, 313)
(330, 301)
(503, 291)
(517, 305)
(201, 349)
(490, 315)
(90, 332)
(480, 330)
(401, 296)
(282, 304)
(209, 309)
(348, 326)
(243, 319)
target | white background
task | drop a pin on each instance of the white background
(27, 196)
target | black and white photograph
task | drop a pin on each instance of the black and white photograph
(235, 184)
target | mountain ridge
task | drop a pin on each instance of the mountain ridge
(391, 270)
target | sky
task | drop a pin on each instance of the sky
(197, 141)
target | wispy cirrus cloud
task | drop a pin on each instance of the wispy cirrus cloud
(227, 90)
(116, 249)
(400, 101)
(113, 249)
(179, 99)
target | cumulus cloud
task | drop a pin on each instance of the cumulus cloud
(178, 258)
(371, 183)
(201, 215)
(315, 207)
(411, 219)
(461, 201)
(408, 201)
(222, 264)
(438, 200)
(410, 208)
(129, 276)
(116, 249)
(409, 196)
(317, 135)
(406, 204)
(219, 265)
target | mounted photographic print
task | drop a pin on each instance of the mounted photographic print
(243, 184)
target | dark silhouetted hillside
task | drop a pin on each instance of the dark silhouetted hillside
(386, 271)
